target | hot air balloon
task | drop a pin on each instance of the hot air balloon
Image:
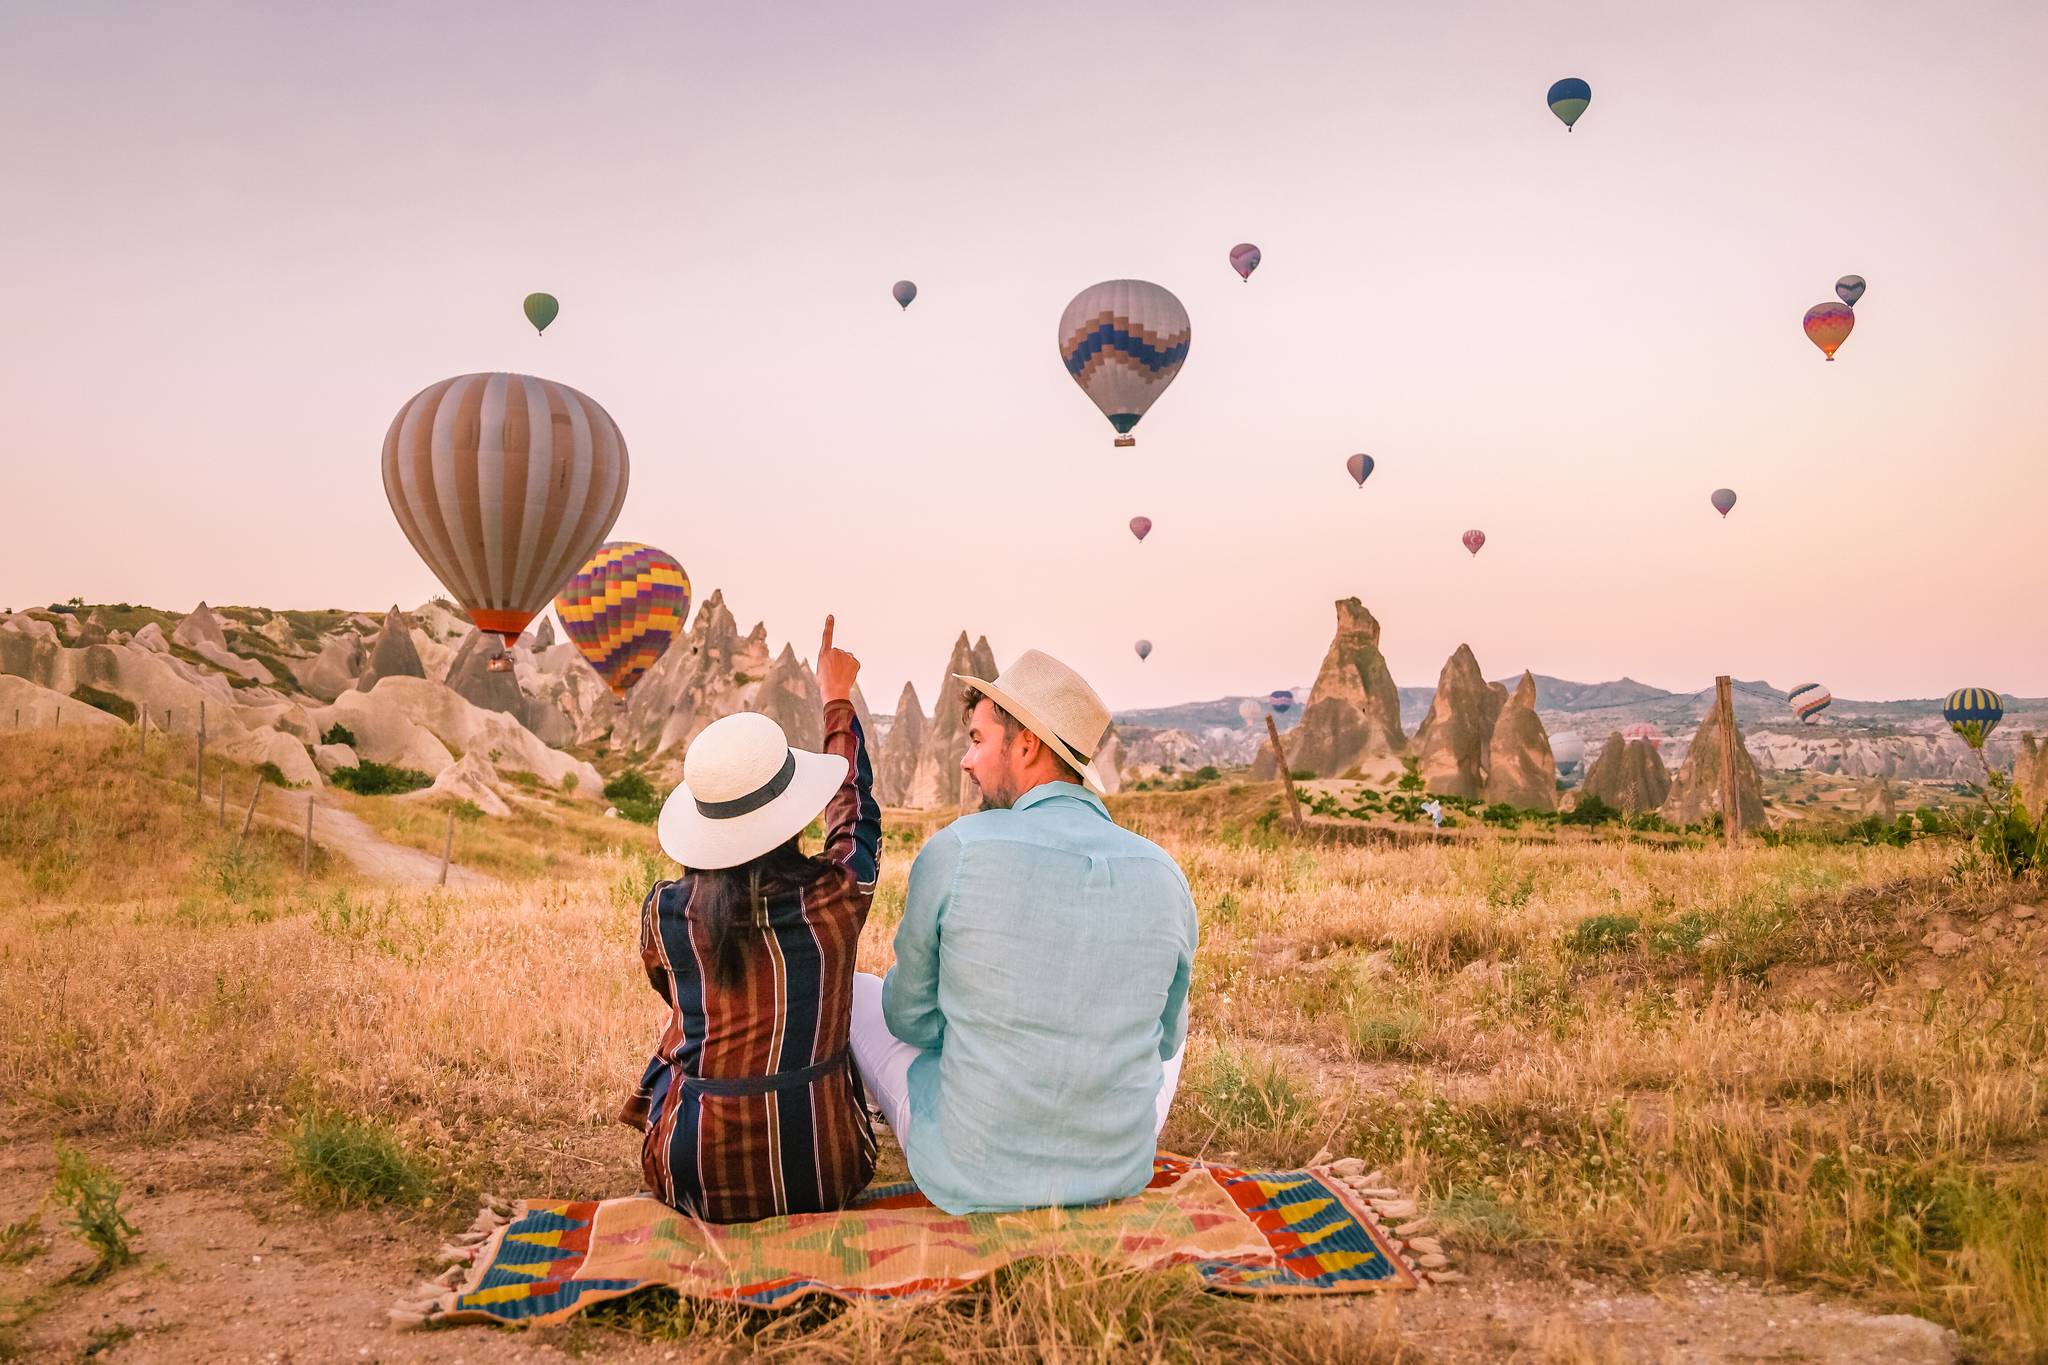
(504, 483)
(1250, 711)
(1973, 713)
(1568, 99)
(1360, 467)
(1473, 540)
(1123, 341)
(622, 609)
(1280, 700)
(1244, 259)
(1144, 648)
(1141, 527)
(1567, 750)
(1723, 499)
(1849, 289)
(1828, 325)
(541, 309)
(1647, 733)
(903, 291)
(1808, 700)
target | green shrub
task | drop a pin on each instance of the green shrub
(344, 1161)
(21, 1240)
(1598, 935)
(105, 701)
(378, 779)
(272, 774)
(634, 796)
(1590, 810)
(338, 733)
(93, 1195)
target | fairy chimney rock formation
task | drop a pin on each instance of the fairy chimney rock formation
(1353, 718)
(789, 696)
(392, 654)
(202, 627)
(937, 780)
(473, 678)
(1520, 769)
(897, 767)
(1628, 775)
(1452, 744)
(2030, 776)
(711, 672)
(1696, 791)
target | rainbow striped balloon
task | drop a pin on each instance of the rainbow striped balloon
(1973, 713)
(623, 608)
(1809, 700)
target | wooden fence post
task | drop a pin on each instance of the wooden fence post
(249, 816)
(306, 849)
(142, 735)
(221, 822)
(1731, 790)
(199, 768)
(1286, 774)
(447, 848)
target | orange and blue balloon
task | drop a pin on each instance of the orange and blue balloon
(623, 609)
(1123, 341)
(1568, 99)
(1828, 325)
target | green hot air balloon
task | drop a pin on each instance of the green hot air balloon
(1568, 99)
(541, 310)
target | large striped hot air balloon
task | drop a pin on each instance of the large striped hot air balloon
(504, 483)
(1567, 750)
(1123, 341)
(1828, 325)
(1973, 713)
(1808, 700)
(1244, 259)
(1568, 99)
(1644, 731)
(623, 608)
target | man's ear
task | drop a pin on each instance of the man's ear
(1029, 746)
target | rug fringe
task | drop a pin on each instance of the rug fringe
(1400, 1218)
(468, 1258)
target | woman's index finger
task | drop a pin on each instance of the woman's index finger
(825, 646)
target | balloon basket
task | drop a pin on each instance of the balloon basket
(1123, 441)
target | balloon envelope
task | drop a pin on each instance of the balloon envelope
(1244, 259)
(1144, 648)
(1360, 467)
(1849, 289)
(1249, 711)
(1723, 499)
(541, 310)
(1141, 527)
(1280, 700)
(623, 608)
(1973, 713)
(1567, 750)
(1473, 540)
(1649, 734)
(1123, 341)
(1568, 99)
(504, 483)
(1828, 325)
(903, 291)
(1808, 700)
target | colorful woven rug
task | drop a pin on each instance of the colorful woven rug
(1266, 1232)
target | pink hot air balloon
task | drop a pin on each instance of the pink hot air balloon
(1244, 259)
(1141, 527)
(1473, 540)
(1828, 325)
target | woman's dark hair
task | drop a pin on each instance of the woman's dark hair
(732, 902)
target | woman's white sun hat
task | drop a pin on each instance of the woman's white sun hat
(744, 792)
(1055, 703)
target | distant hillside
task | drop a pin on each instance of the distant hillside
(1560, 694)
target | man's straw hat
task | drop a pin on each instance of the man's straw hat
(744, 792)
(1055, 703)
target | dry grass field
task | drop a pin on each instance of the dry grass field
(1662, 1102)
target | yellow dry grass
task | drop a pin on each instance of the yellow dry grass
(1587, 1056)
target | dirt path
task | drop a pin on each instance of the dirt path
(234, 1268)
(353, 838)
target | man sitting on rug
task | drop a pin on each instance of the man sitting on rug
(1027, 1043)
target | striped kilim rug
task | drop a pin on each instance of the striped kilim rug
(1315, 1231)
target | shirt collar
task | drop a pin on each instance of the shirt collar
(1048, 791)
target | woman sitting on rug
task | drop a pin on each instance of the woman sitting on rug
(751, 1105)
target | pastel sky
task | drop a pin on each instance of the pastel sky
(237, 237)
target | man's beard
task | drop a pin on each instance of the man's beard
(996, 798)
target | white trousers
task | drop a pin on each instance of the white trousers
(884, 1060)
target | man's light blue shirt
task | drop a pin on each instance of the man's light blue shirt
(1042, 964)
